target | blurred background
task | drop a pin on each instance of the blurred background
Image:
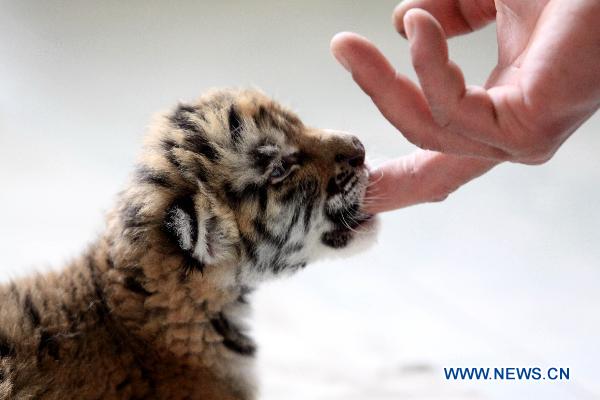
(505, 273)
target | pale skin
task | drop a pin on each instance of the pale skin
(545, 85)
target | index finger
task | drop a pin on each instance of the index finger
(401, 101)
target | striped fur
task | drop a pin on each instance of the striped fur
(229, 190)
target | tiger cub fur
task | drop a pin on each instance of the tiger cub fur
(229, 190)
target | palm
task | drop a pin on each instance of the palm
(535, 53)
(514, 35)
(518, 25)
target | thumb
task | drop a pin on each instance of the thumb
(455, 16)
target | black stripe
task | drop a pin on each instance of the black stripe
(219, 324)
(301, 192)
(145, 174)
(263, 198)
(308, 210)
(295, 219)
(186, 205)
(200, 145)
(240, 348)
(235, 125)
(293, 222)
(201, 173)
(311, 189)
(123, 384)
(71, 316)
(266, 234)
(336, 239)
(148, 377)
(249, 248)
(299, 265)
(109, 262)
(99, 306)
(194, 141)
(199, 170)
(264, 119)
(212, 233)
(131, 216)
(236, 197)
(279, 265)
(290, 194)
(31, 311)
(244, 292)
(7, 349)
(168, 144)
(232, 195)
(188, 108)
(132, 284)
(263, 155)
(233, 339)
(99, 301)
(189, 265)
(332, 187)
(346, 180)
(48, 345)
(293, 248)
(172, 158)
(181, 119)
(347, 217)
(136, 270)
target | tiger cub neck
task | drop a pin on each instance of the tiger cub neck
(189, 316)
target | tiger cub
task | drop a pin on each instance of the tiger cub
(229, 190)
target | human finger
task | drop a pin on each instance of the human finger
(424, 176)
(471, 112)
(400, 100)
(441, 80)
(455, 16)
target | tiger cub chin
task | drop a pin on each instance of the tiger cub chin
(229, 190)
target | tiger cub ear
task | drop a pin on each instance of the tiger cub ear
(203, 232)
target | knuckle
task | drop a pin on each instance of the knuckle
(439, 198)
(537, 158)
(431, 143)
(443, 115)
(533, 147)
(434, 191)
(543, 151)
(430, 189)
(419, 65)
(424, 142)
(441, 193)
(420, 62)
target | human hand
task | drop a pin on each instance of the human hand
(546, 84)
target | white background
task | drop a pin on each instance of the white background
(504, 273)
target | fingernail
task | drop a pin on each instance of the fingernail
(342, 60)
(335, 50)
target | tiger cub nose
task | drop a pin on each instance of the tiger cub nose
(354, 154)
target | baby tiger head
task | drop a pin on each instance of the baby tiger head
(244, 182)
